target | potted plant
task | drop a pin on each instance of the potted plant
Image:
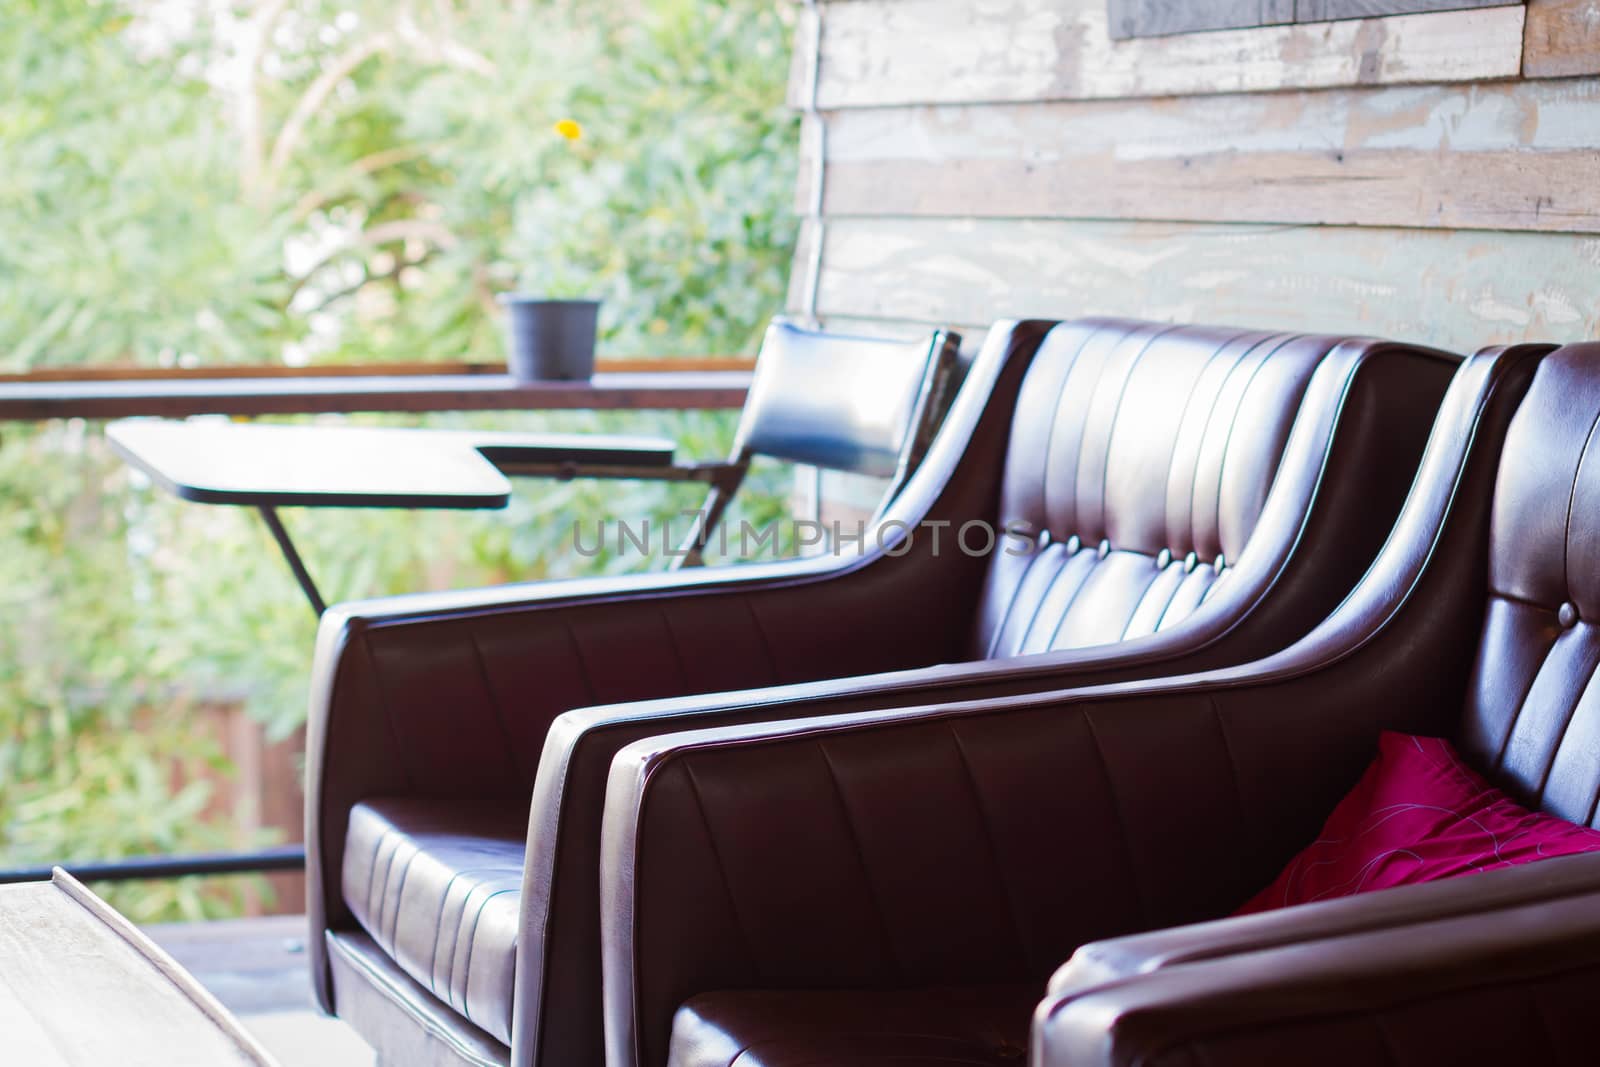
(550, 325)
(549, 337)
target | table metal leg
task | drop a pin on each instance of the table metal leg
(269, 515)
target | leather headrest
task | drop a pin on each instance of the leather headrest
(1154, 436)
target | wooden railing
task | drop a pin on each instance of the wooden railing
(116, 392)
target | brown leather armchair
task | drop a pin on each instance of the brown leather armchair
(1200, 495)
(897, 885)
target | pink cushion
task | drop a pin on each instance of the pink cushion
(1417, 815)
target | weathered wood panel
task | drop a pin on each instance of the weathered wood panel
(1458, 290)
(1563, 38)
(957, 51)
(1156, 18)
(1512, 155)
(1324, 10)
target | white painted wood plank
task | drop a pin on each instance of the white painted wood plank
(1458, 290)
(1512, 155)
(882, 52)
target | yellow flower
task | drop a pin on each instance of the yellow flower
(569, 129)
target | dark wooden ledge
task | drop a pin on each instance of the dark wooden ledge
(618, 385)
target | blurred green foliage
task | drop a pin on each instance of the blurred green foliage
(193, 182)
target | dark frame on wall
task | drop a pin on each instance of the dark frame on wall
(1161, 18)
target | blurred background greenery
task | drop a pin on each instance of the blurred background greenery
(195, 182)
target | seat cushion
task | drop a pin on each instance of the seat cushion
(437, 884)
(979, 1025)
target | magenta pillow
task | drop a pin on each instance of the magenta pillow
(1417, 815)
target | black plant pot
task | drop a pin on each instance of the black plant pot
(550, 340)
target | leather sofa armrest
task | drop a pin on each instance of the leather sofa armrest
(1487, 985)
(1101, 962)
(961, 844)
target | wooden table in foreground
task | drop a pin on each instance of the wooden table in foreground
(176, 397)
(81, 987)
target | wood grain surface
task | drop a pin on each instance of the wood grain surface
(878, 53)
(1511, 155)
(1562, 39)
(1456, 289)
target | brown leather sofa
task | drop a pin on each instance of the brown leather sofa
(1200, 495)
(895, 886)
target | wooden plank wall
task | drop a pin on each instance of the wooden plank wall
(1432, 176)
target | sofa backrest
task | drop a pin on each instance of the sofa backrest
(1141, 458)
(1532, 717)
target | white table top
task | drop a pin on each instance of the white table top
(337, 466)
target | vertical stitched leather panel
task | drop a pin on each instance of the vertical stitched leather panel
(1057, 602)
(1053, 887)
(1190, 595)
(1094, 452)
(715, 655)
(1542, 719)
(688, 910)
(1197, 418)
(652, 665)
(1516, 640)
(1038, 574)
(1037, 416)
(533, 673)
(1212, 453)
(1155, 603)
(1172, 829)
(439, 706)
(1574, 775)
(776, 877)
(887, 797)
(1068, 431)
(1102, 610)
(1256, 440)
(1145, 437)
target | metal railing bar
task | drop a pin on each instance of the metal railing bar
(144, 868)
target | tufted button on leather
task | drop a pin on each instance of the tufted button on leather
(1220, 562)
(1164, 560)
(1073, 544)
(1567, 616)
(1043, 540)
(1190, 562)
(1105, 549)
